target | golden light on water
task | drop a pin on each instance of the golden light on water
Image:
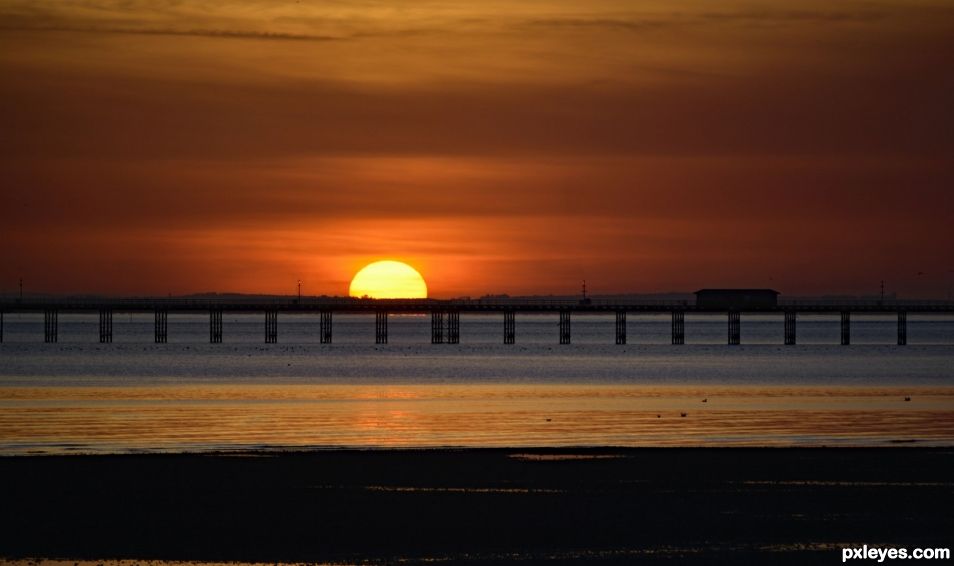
(388, 279)
(57, 420)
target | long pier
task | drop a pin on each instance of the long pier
(445, 314)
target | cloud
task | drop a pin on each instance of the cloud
(774, 17)
(771, 113)
(664, 21)
(217, 20)
(566, 23)
(212, 33)
(154, 150)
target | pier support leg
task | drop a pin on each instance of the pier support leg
(453, 327)
(845, 328)
(510, 327)
(437, 327)
(271, 327)
(735, 328)
(564, 327)
(215, 326)
(620, 327)
(162, 326)
(381, 327)
(326, 326)
(902, 328)
(105, 326)
(678, 327)
(1, 327)
(50, 326)
(790, 319)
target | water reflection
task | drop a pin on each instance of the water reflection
(209, 417)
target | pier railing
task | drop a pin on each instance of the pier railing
(347, 304)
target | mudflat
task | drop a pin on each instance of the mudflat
(480, 506)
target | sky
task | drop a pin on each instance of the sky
(160, 146)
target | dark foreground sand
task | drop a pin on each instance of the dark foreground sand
(606, 506)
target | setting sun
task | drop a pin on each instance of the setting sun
(388, 280)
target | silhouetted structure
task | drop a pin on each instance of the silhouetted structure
(381, 327)
(510, 327)
(437, 327)
(326, 326)
(215, 326)
(445, 321)
(620, 327)
(161, 326)
(50, 325)
(845, 328)
(678, 327)
(790, 320)
(735, 328)
(105, 326)
(271, 326)
(564, 327)
(453, 327)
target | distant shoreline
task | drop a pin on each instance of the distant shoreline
(478, 506)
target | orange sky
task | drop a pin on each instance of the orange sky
(497, 146)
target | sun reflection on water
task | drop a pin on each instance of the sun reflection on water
(205, 417)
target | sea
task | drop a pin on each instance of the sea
(78, 396)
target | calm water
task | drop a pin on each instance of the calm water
(133, 395)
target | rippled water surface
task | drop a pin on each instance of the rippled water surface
(133, 395)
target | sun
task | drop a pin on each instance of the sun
(388, 280)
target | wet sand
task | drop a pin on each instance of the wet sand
(605, 506)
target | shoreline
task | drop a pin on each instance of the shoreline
(620, 450)
(478, 506)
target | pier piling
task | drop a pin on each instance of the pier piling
(678, 327)
(326, 326)
(735, 328)
(790, 320)
(453, 327)
(437, 327)
(381, 327)
(161, 326)
(510, 327)
(1, 327)
(215, 326)
(271, 327)
(845, 328)
(564, 327)
(902, 328)
(620, 327)
(51, 329)
(105, 326)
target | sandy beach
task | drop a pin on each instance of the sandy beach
(606, 506)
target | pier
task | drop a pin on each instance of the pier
(271, 326)
(678, 327)
(162, 325)
(445, 314)
(791, 318)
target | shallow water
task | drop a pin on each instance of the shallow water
(133, 395)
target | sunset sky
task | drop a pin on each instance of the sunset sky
(153, 147)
